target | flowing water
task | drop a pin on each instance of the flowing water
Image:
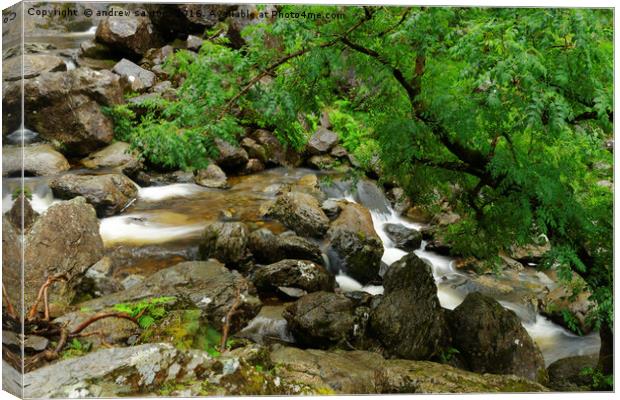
(163, 227)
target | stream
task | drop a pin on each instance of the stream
(163, 227)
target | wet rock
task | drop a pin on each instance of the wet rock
(211, 177)
(491, 339)
(275, 152)
(300, 212)
(38, 160)
(118, 154)
(561, 299)
(404, 238)
(299, 274)
(109, 193)
(331, 208)
(65, 107)
(370, 195)
(321, 162)
(230, 157)
(133, 77)
(131, 35)
(321, 319)
(399, 199)
(364, 372)
(354, 246)
(63, 240)
(21, 214)
(253, 166)
(322, 141)
(254, 149)
(117, 372)
(31, 65)
(172, 177)
(206, 285)
(99, 278)
(226, 242)
(565, 375)
(268, 248)
(409, 320)
(193, 43)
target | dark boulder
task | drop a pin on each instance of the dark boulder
(566, 374)
(491, 339)
(321, 319)
(299, 274)
(300, 212)
(226, 242)
(109, 193)
(404, 238)
(129, 35)
(268, 248)
(354, 246)
(409, 320)
(37, 160)
(230, 157)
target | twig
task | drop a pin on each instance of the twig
(42, 291)
(97, 317)
(7, 302)
(228, 318)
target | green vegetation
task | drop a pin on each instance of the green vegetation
(22, 190)
(503, 113)
(147, 312)
(600, 381)
(75, 348)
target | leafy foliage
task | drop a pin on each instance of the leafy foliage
(147, 312)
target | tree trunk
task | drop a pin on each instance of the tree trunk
(606, 354)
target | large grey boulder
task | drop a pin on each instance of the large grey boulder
(404, 238)
(118, 154)
(322, 141)
(109, 193)
(566, 374)
(268, 248)
(321, 319)
(134, 77)
(226, 242)
(63, 240)
(491, 339)
(354, 246)
(38, 160)
(211, 177)
(303, 275)
(409, 320)
(65, 107)
(300, 212)
(31, 65)
(206, 285)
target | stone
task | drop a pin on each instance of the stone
(193, 43)
(331, 208)
(38, 160)
(21, 214)
(229, 156)
(226, 242)
(134, 77)
(322, 141)
(33, 65)
(409, 320)
(95, 50)
(253, 166)
(118, 154)
(321, 162)
(339, 151)
(211, 177)
(275, 152)
(399, 199)
(114, 331)
(268, 248)
(109, 193)
(561, 299)
(321, 319)
(404, 238)
(565, 375)
(206, 285)
(299, 274)
(65, 108)
(130, 35)
(254, 149)
(354, 246)
(365, 372)
(300, 212)
(63, 240)
(99, 278)
(491, 339)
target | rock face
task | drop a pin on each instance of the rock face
(300, 212)
(113, 330)
(268, 248)
(33, 65)
(65, 107)
(230, 157)
(362, 372)
(116, 372)
(491, 339)
(11, 264)
(135, 78)
(109, 193)
(63, 240)
(321, 319)
(38, 159)
(226, 242)
(118, 154)
(355, 247)
(322, 141)
(403, 237)
(298, 274)
(565, 374)
(207, 285)
(275, 153)
(129, 35)
(409, 320)
(211, 177)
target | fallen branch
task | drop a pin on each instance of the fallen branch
(100, 316)
(32, 313)
(7, 302)
(228, 318)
